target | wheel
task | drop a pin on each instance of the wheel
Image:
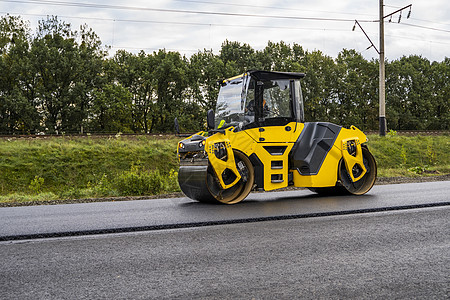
(240, 190)
(363, 185)
(200, 182)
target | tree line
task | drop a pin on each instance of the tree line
(61, 80)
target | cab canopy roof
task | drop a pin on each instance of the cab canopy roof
(267, 75)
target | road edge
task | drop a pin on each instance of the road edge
(380, 181)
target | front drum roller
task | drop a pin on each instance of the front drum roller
(200, 182)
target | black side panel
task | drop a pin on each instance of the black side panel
(312, 147)
(259, 170)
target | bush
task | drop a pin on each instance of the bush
(36, 184)
(139, 182)
(173, 182)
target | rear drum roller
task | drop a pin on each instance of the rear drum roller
(363, 185)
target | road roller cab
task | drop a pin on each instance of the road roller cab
(258, 139)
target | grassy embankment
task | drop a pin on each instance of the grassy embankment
(42, 169)
(39, 169)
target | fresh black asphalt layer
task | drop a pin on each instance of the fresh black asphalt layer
(213, 223)
(21, 223)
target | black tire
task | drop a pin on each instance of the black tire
(363, 185)
(238, 192)
(345, 185)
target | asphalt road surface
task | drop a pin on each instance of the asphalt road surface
(127, 216)
(392, 243)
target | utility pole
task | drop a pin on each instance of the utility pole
(382, 77)
(382, 83)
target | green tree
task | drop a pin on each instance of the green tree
(319, 87)
(281, 57)
(440, 95)
(409, 93)
(67, 63)
(237, 58)
(356, 90)
(134, 72)
(18, 113)
(112, 109)
(204, 71)
(171, 86)
(60, 80)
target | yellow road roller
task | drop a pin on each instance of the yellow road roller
(257, 139)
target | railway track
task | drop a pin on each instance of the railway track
(166, 135)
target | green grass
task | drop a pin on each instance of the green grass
(83, 167)
(45, 169)
(411, 156)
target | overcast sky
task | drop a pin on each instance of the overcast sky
(187, 26)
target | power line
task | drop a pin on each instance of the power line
(409, 38)
(271, 7)
(415, 39)
(120, 7)
(184, 23)
(210, 24)
(428, 21)
(106, 6)
(424, 27)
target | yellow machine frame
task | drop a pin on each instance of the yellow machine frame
(247, 142)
